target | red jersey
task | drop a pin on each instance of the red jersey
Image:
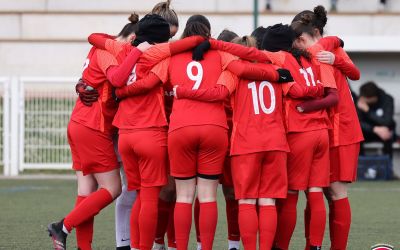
(143, 111)
(346, 127)
(99, 116)
(308, 74)
(182, 70)
(257, 117)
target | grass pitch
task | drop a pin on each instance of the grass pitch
(27, 206)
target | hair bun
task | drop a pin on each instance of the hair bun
(167, 4)
(133, 18)
(320, 15)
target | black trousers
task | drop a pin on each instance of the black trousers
(372, 137)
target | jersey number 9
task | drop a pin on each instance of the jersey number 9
(196, 78)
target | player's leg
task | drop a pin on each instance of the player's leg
(246, 171)
(123, 208)
(185, 191)
(84, 232)
(182, 151)
(165, 202)
(273, 185)
(344, 162)
(299, 161)
(232, 206)
(151, 150)
(212, 146)
(171, 227)
(196, 214)
(318, 179)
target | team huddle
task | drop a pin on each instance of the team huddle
(266, 116)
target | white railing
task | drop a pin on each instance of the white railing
(36, 111)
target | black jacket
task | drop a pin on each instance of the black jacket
(379, 114)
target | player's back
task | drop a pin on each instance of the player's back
(307, 74)
(257, 118)
(196, 75)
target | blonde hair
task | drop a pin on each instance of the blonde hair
(163, 9)
(247, 41)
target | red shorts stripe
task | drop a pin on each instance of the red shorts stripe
(308, 159)
(260, 175)
(344, 162)
(91, 150)
(144, 155)
(197, 149)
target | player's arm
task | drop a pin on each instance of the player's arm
(226, 84)
(330, 43)
(247, 53)
(100, 40)
(259, 71)
(299, 91)
(118, 74)
(139, 87)
(331, 99)
(346, 66)
(157, 75)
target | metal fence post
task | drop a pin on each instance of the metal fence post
(6, 127)
(14, 138)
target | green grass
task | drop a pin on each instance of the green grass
(26, 206)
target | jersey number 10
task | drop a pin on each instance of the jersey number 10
(258, 97)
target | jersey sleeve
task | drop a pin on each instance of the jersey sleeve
(251, 54)
(254, 71)
(329, 43)
(105, 59)
(346, 65)
(327, 76)
(226, 59)
(229, 80)
(161, 70)
(139, 87)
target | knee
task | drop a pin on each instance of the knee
(338, 191)
(85, 189)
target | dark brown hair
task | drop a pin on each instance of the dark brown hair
(163, 9)
(369, 89)
(227, 35)
(316, 19)
(131, 27)
(197, 25)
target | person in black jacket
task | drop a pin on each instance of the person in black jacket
(375, 110)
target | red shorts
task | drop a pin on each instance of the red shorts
(226, 177)
(197, 150)
(260, 175)
(308, 159)
(144, 156)
(92, 151)
(344, 162)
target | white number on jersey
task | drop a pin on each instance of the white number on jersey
(305, 73)
(197, 78)
(258, 98)
(132, 77)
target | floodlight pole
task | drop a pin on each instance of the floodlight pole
(255, 14)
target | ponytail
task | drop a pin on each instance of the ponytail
(247, 41)
(163, 9)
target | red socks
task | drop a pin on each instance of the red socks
(232, 211)
(267, 224)
(162, 222)
(171, 227)
(340, 225)
(317, 218)
(307, 226)
(287, 215)
(134, 222)
(183, 223)
(148, 216)
(248, 224)
(88, 208)
(208, 224)
(84, 231)
(197, 218)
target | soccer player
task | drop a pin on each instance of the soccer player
(95, 163)
(258, 155)
(310, 170)
(345, 137)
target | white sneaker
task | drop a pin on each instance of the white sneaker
(157, 246)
